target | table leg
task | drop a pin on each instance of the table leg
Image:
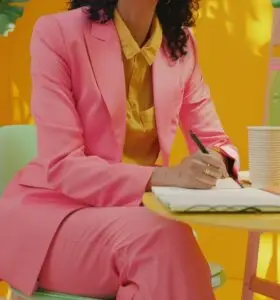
(253, 284)
(251, 264)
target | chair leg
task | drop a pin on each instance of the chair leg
(251, 264)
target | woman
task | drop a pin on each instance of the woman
(112, 79)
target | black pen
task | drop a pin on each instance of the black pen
(198, 143)
(205, 151)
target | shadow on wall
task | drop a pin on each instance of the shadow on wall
(15, 81)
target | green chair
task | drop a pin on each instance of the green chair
(17, 148)
(276, 3)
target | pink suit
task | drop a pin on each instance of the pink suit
(71, 219)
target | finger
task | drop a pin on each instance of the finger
(222, 158)
(200, 168)
(225, 173)
(211, 160)
(212, 172)
(207, 180)
(200, 185)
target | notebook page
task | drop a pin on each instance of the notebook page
(248, 197)
(227, 183)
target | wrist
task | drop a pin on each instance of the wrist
(162, 176)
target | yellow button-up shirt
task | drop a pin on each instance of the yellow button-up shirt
(141, 143)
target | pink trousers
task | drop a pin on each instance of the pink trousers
(128, 252)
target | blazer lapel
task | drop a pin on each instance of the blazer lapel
(168, 89)
(105, 56)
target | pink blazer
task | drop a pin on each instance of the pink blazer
(78, 102)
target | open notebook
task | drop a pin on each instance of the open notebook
(226, 197)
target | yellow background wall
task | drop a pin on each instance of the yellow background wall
(233, 37)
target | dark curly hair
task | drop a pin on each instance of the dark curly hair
(174, 16)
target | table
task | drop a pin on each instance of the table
(251, 222)
(254, 223)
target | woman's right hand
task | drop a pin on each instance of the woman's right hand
(198, 171)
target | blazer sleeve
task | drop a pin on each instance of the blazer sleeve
(198, 112)
(87, 179)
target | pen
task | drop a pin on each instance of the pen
(198, 143)
(205, 151)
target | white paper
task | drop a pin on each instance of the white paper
(227, 196)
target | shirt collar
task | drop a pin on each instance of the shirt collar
(130, 47)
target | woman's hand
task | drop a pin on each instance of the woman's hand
(201, 171)
(221, 157)
(198, 171)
